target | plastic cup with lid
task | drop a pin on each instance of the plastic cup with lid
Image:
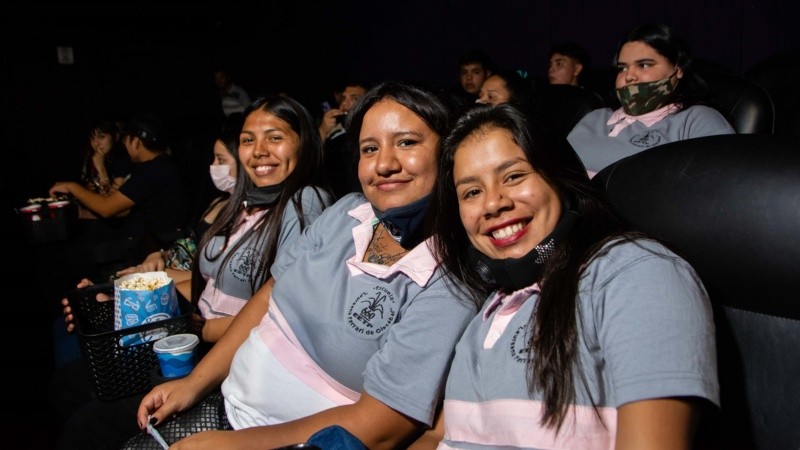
(177, 354)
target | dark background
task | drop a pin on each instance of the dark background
(150, 56)
(145, 55)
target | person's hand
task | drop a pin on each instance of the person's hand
(69, 319)
(153, 263)
(98, 157)
(328, 122)
(165, 400)
(60, 188)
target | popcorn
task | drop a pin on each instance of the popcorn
(140, 283)
(144, 298)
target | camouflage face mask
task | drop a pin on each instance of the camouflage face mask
(642, 98)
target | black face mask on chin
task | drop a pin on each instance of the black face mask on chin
(516, 273)
(262, 196)
(404, 223)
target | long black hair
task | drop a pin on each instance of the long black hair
(554, 343)
(307, 172)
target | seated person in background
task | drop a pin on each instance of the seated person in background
(356, 327)
(176, 260)
(507, 86)
(280, 153)
(233, 98)
(106, 163)
(590, 335)
(338, 162)
(146, 213)
(332, 122)
(660, 97)
(474, 66)
(567, 62)
(151, 201)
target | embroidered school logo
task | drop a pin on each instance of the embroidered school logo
(243, 263)
(520, 351)
(647, 140)
(372, 312)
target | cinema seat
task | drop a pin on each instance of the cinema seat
(731, 206)
(746, 104)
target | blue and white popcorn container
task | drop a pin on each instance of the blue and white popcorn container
(142, 298)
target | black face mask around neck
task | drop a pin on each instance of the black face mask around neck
(262, 196)
(404, 223)
(516, 273)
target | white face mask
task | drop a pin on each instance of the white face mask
(221, 176)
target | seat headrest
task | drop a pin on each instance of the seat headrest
(744, 102)
(778, 75)
(729, 204)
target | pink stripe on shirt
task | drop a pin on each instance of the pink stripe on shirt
(516, 423)
(279, 339)
(214, 303)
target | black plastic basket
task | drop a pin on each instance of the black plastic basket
(117, 371)
(49, 224)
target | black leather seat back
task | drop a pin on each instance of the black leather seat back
(779, 74)
(745, 103)
(731, 206)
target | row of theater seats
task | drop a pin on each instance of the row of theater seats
(731, 206)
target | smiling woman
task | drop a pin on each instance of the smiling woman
(267, 148)
(485, 195)
(275, 196)
(363, 342)
(571, 336)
